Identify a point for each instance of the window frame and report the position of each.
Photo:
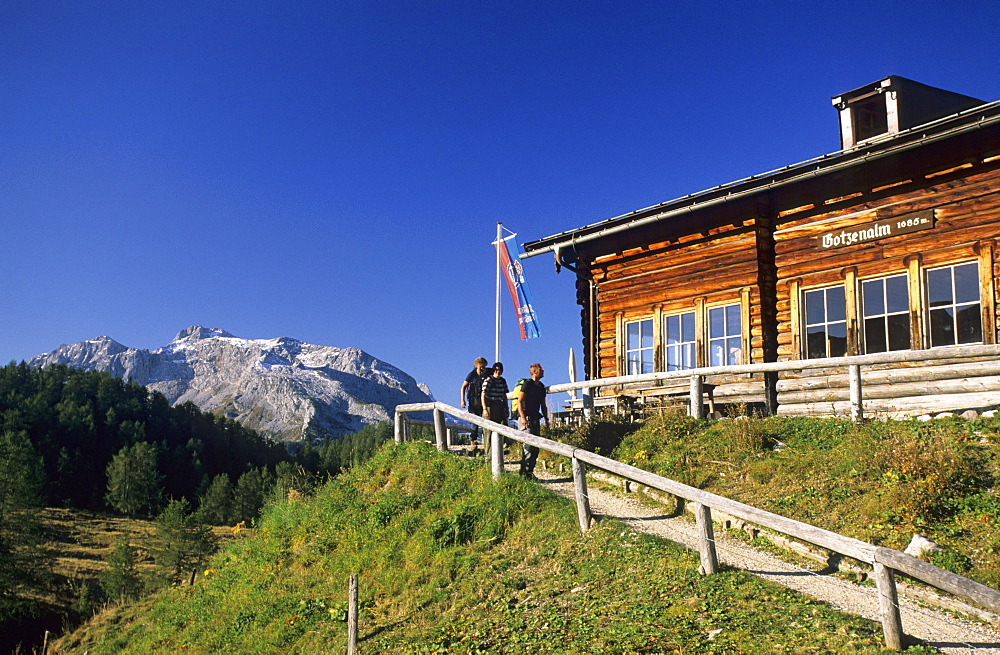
(641, 349)
(728, 338)
(688, 349)
(885, 315)
(955, 305)
(826, 322)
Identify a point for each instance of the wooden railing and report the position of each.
(884, 561)
(853, 364)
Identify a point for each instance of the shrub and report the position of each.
(951, 560)
(745, 435)
(924, 466)
(600, 436)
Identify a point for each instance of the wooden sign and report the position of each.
(868, 232)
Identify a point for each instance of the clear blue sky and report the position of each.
(334, 171)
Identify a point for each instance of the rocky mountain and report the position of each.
(281, 387)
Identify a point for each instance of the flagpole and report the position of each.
(496, 349)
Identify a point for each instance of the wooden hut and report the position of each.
(887, 244)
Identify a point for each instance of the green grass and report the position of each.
(452, 562)
(880, 482)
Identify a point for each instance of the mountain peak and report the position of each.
(282, 387)
(199, 332)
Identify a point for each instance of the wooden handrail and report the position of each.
(883, 560)
(853, 364)
(949, 352)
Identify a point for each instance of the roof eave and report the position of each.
(887, 145)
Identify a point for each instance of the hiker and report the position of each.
(532, 408)
(494, 398)
(472, 390)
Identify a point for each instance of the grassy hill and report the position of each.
(452, 562)
(881, 482)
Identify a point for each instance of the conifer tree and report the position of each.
(20, 481)
(20, 477)
(134, 482)
(181, 544)
(252, 490)
(121, 581)
(216, 507)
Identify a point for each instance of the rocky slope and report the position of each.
(281, 387)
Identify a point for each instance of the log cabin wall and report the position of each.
(695, 276)
(961, 205)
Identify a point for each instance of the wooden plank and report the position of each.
(859, 550)
(981, 385)
(681, 263)
(927, 372)
(896, 407)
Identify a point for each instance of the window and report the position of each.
(954, 314)
(725, 336)
(886, 313)
(826, 322)
(679, 340)
(869, 118)
(639, 347)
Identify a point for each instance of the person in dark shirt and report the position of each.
(495, 399)
(472, 391)
(473, 386)
(532, 409)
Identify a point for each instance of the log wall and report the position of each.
(691, 273)
(966, 205)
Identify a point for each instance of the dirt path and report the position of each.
(937, 628)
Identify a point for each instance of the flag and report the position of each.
(519, 293)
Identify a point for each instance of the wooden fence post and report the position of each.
(695, 393)
(496, 453)
(888, 605)
(439, 429)
(582, 499)
(400, 426)
(857, 407)
(352, 614)
(706, 540)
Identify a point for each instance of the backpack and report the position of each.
(517, 392)
(475, 390)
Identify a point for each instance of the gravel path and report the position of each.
(941, 630)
